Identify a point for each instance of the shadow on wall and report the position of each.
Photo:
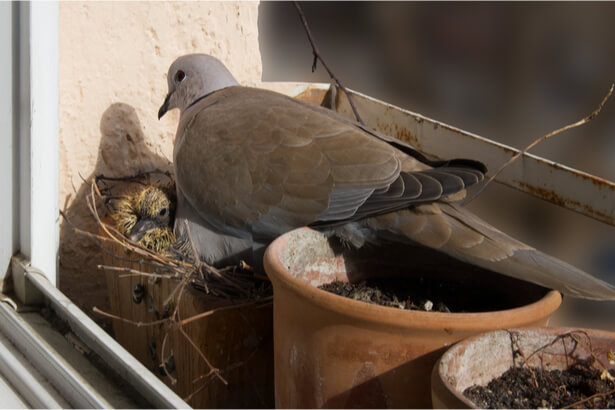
(122, 152)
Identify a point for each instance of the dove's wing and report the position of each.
(253, 160)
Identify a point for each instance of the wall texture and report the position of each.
(113, 62)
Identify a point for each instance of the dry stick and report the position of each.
(178, 323)
(593, 396)
(195, 254)
(133, 177)
(200, 264)
(207, 383)
(220, 309)
(544, 137)
(318, 57)
(164, 362)
(589, 347)
(97, 239)
(213, 370)
(129, 272)
(227, 370)
(132, 322)
(552, 342)
(526, 363)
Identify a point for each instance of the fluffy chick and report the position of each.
(147, 215)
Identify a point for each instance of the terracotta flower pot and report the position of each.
(481, 358)
(331, 351)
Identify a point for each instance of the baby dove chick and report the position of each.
(147, 217)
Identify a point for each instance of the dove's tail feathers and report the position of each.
(535, 266)
(458, 233)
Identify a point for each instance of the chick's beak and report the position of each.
(165, 106)
(141, 228)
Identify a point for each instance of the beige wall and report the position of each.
(113, 62)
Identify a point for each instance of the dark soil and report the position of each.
(421, 294)
(556, 389)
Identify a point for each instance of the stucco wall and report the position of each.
(113, 62)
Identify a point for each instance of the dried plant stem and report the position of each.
(163, 362)
(134, 272)
(220, 309)
(593, 396)
(318, 57)
(514, 338)
(213, 370)
(132, 322)
(515, 157)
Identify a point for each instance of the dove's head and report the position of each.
(193, 76)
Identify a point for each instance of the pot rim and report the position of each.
(389, 316)
(462, 344)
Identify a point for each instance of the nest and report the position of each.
(226, 289)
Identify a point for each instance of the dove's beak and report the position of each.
(165, 106)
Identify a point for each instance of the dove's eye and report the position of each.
(163, 212)
(179, 76)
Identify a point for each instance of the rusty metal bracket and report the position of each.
(567, 187)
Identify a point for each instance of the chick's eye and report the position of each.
(163, 212)
(179, 76)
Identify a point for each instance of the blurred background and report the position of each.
(511, 72)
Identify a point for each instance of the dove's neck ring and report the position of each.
(201, 98)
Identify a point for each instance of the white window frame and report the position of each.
(29, 121)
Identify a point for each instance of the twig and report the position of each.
(544, 137)
(220, 309)
(213, 370)
(163, 362)
(318, 57)
(518, 350)
(97, 239)
(129, 272)
(207, 383)
(101, 177)
(593, 396)
(132, 322)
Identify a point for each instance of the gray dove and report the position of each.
(251, 164)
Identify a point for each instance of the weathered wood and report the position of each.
(238, 341)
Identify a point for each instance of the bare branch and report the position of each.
(515, 157)
(318, 57)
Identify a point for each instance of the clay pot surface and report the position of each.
(481, 358)
(334, 352)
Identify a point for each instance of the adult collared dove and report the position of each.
(251, 164)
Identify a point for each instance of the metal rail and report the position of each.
(570, 188)
(129, 368)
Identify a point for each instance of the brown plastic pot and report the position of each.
(481, 358)
(331, 351)
(237, 341)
